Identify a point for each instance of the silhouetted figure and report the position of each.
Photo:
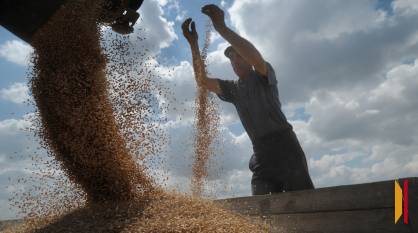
(278, 163)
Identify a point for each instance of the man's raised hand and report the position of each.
(189, 31)
(216, 14)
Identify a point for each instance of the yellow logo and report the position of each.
(401, 201)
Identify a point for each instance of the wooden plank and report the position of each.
(360, 221)
(344, 209)
(341, 198)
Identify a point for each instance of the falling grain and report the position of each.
(98, 133)
(207, 126)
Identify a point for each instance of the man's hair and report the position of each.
(228, 51)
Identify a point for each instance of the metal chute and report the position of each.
(25, 17)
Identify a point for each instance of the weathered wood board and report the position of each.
(360, 208)
(356, 208)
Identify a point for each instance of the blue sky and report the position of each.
(346, 76)
(10, 73)
(177, 51)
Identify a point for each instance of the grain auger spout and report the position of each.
(23, 18)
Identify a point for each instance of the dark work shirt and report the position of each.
(256, 99)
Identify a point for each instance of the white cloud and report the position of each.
(158, 31)
(344, 66)
(223, 3)
(152, 32)
(17, 93)
(231, 158)
(406, 6)
(182, 85)
(374, 128)
(340, 61)
(329, 45)
(16, 51)
(16, 149)
(228, 169)
(385, 112)
(412, 167)
(162, 2)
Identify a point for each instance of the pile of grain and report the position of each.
(166, 213)
(207, 125)
(97, 153)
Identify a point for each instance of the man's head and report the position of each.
(239, 64)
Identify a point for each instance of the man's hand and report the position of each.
(189, 31)
(216, 14)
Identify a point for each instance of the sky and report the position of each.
(347, 77)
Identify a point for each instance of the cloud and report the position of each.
(352, 69)
(17, 93)
(154, 26)
(228, 169)
(173, 7)
(182, 85)
(152, 32)
(223, 3)
(230, 158)
(16, 148)
(406, 6)
(374, 129)
(16, 51)
(331, 45)
(384, 113)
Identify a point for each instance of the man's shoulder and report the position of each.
(228, 90)
(269, 67)
(270, 77)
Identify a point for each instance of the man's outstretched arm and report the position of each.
(198, 65)
(244, 48)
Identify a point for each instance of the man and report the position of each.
(278, 163)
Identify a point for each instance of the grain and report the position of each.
(98, 137)
(207, 126)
